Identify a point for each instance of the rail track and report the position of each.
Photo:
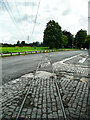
(40, 97)
(34, 80)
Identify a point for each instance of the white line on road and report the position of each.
(62, 62)
(82, 60)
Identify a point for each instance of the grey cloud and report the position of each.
(38, 23)
(11, 4)
(25, 18)
(28, 19)
(83, 21)
(30, 4)
(27, 3)
(66, 12)
(2, 6)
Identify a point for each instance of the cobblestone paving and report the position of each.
(42, 100)
(11, 92)
(73, 83)
(75, 96)
(73, 69)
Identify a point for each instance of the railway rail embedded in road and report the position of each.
(29, 87)
(60, 93)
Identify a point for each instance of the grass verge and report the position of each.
(15, 51)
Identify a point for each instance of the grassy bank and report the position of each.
(15, 51)
(21, 49)
(25, 49)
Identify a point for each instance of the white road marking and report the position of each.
(62, 61)
(82, 60)
(15, 81)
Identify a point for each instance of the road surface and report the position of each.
(38, 96)
(16, 66)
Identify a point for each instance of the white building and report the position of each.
(89, 18)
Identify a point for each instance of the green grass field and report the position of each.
(21, 49)
(24, 49)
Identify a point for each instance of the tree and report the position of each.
(64, 40)
(18, 43)
(52, 35)
(70, 38)
(36, 44)
(23, 43)
(87, 41)
(80, 38)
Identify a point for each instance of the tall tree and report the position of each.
(80, 38)
(18, 43)
(87, 41)
(64, 40)
(52, 35)
(23, 43)
(70, 38)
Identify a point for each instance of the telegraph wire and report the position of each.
(19, 15)
(32, 9)
(13, 17)
(35, 18)
(30, 27)
(9, 12)
(8, 9)
(27, 33)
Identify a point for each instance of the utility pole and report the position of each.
(89, 18)
(88, 108)
(89, 22)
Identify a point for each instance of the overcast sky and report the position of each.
(17, 18)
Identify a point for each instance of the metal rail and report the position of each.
(58, 90)
(27, 93)
(59, 94)
(61, 101)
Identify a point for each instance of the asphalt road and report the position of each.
(16, 66)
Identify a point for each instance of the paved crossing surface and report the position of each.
(43, 100)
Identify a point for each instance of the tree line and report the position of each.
(21, 44)
(54, 37)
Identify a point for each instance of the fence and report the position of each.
(27, 52)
